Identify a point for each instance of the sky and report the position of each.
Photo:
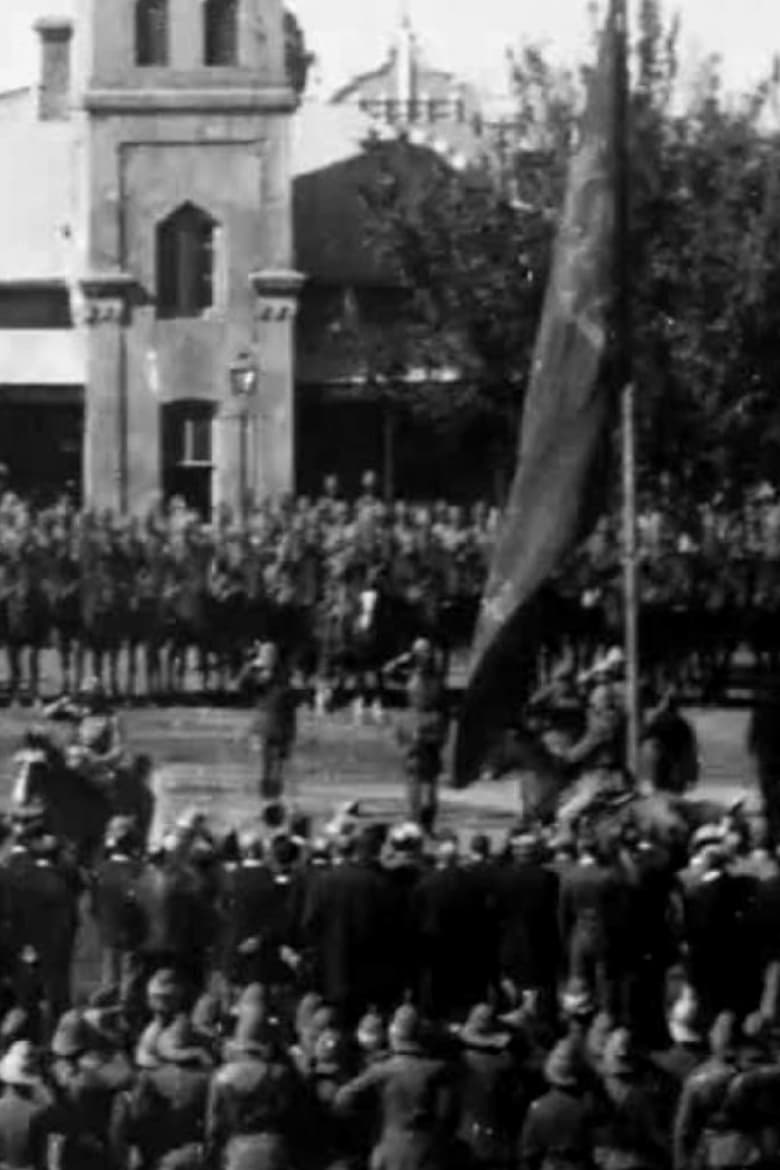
(469, 37)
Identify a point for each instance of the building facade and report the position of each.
(162, 303)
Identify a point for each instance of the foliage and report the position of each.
(472, 249)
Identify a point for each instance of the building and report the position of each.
(344, 423)
(147, 295)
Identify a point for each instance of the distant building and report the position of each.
(343, 423)
(146, 245)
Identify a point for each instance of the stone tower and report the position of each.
(185, 250)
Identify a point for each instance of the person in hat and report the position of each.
(490, 1090)
(423, 731)
(168, 1104)
(349, 928)
(448, 907)
(414, 1092)
(705, 1090)
(673, 760)
(253, 1110)
(526, 895)
(630, 1133)
(114, 907)
(560, 1126)
(97, 747)
(687, 1052)
(266, 679)
(29, 1118)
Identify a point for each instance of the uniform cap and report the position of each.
(619, 1057)
(20, 1065)
(254, 1033)
(577, 999)
(15, 1026)
(371, 1032)
(179, 1043)
(164, 985)
(483, 1030)
(685, 1018)
(564, 1066)
(119, 830)
(71, 1036)
(105, 1025)
(146, 1055)
(405, 1028)
(331, 1052)
(207, 1015)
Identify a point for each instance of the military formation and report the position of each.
(369, 995)
(344, 585)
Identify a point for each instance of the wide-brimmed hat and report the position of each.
(254, 1034)
(371, 1032)
(71, 1036)
(179, 1043)
(119, 831)
(331, 1053)
(577, 999)
(105, 1025)
(20, 1065)
(483, 1030)
(405, 1029)
(164, 986)
(684, 1021)
(619, 1057)
(564, 1066)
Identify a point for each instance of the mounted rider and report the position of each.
(97, 747)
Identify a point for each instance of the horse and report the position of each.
(104, 623)
(26, 628)
(75, 810)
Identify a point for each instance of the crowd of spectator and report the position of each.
(370, 997)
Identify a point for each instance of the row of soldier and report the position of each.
(247, 987)
(136, 601)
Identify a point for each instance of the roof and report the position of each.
(324, 134)
(37, 207)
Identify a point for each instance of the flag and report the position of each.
(569, 408)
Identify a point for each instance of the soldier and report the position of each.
(267, 680)
(167, 1107)
(560, 1127)
(114, 907)
(251, 1113)
(424, 730)
(28, 1117)
(705, 1091)
(414, 1092)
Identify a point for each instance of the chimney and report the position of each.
(56, 33)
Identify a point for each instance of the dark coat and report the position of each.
(168, 1110)
(251, 1096)
(415, 1098)
(560, 1126)
(348, 924)
(595, 898)
(27, 1121)
(87, 1095)
(526, 911)
(450, 921)
(178, 919)
(702, 1099)
(114, 906)
(489, 1103)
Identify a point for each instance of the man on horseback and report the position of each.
(97, 748)
(266, 678)
(424, 731)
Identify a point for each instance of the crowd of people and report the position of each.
(370, 996)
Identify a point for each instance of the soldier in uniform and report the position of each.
(267, 679)
(114, 906)
(424, 730)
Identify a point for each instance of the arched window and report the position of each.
(220, 31)
(151, 32)
(185, 263)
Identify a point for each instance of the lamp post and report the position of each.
(243, 385)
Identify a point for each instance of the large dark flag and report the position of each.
(569, 408)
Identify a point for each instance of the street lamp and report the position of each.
(244, 376)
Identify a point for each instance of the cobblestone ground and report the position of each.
(205, 758)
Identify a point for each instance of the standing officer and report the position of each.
(424, 732)
(267, 680)
(114, 906)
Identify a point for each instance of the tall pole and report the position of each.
(242, 462)
(625, 385)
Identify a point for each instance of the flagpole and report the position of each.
(625, 386)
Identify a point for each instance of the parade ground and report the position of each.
(205, 757)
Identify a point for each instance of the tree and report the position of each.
(471, 249)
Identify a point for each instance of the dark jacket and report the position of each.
(559, 1132)
(114, 906)
(27, 1121)
(348, 924)
(489, 1102)
(526, 910)
(415, 1098)
(168, 1110)
(249, 1097)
